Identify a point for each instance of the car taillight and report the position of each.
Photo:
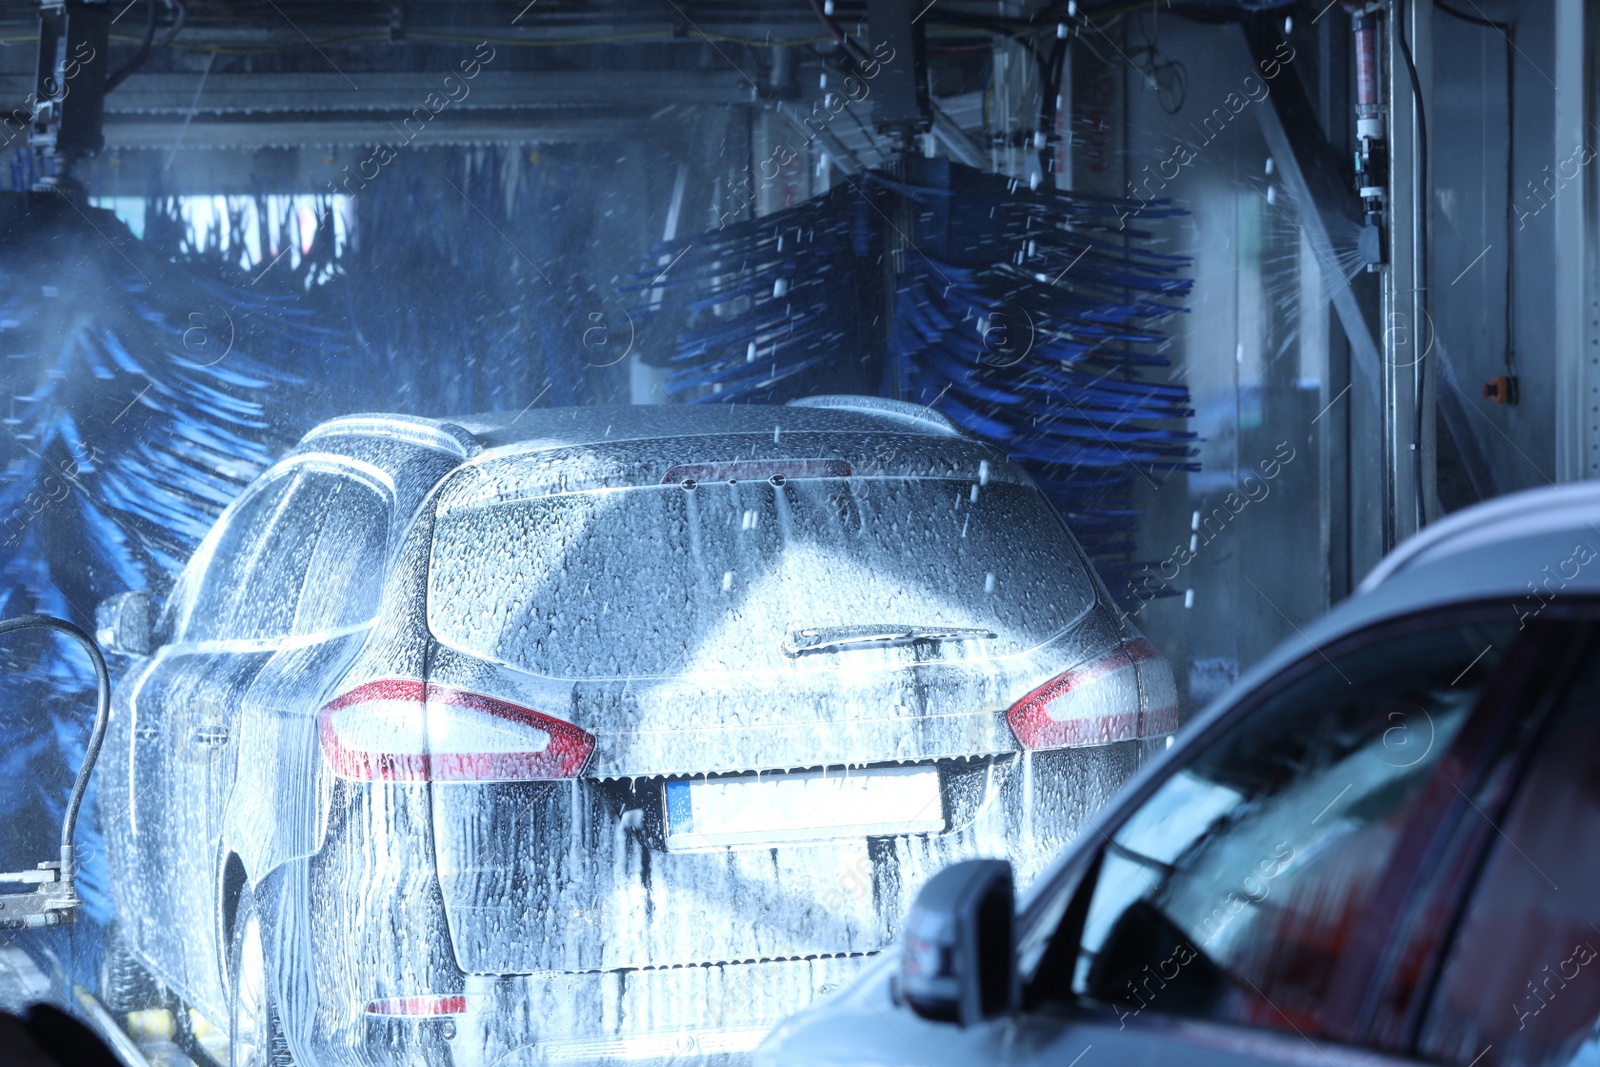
(402, 731)
(1099, 702)
(423, 1007)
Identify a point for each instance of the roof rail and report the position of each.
(1552, 507)
(428, 433)
(903, 410)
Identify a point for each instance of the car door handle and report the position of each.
(146, 732)
(210, 735)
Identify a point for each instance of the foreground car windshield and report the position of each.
(683, 578)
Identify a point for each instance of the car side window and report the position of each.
(303, 555)
(1230, 892)
(341, 534)
(1520, 983)
(203, 601)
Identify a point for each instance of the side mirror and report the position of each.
(959, 961)
(122, 623)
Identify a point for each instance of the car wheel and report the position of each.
(125, 985)
(254, 1031)
(200, 1046)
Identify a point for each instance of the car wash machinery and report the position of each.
(54, 899)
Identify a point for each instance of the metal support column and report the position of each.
(1408, 380)
(1577, 354)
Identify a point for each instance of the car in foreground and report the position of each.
(599, 734)
(1376, 848)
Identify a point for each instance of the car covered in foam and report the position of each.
(599, 734)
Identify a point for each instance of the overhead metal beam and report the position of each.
(329, 26)
(447, 91)
(838, 151)
(568, 126)
(961, 147)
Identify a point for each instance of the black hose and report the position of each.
(120, 75)
(1050, 70)
(102, 712)
(147, 48)
(1421, 374)
(827, 23)
(180, 16)
(1503, 27)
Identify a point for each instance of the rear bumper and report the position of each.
(397, 941)
(579, 872)
(700, 1015)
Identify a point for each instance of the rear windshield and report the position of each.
(701, 576)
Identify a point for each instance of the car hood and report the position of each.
(852, 1026)
(859, 1025)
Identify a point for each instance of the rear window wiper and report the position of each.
(881, 635)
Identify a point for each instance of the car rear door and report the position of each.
(288, 588)
(164, 715)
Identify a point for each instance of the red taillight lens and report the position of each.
(400, 731)
(420, 1007)
(1100, 701)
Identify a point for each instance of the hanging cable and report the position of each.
(1503, 27)
(149, 47)
(97, 733)
(1168, 77)
(136, 61)
(827, 23)
(1421, 253)
(180, 16)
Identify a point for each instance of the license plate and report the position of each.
(804, 806)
